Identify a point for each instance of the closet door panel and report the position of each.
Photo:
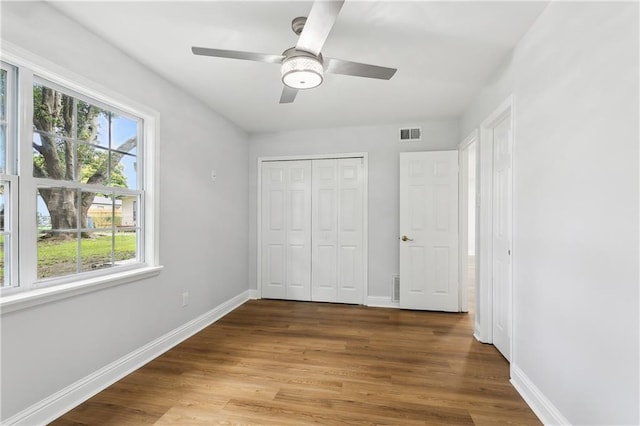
(298, 230)
(325, 232)
(350, 230)
(273, 219)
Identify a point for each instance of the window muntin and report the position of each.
(87, 168)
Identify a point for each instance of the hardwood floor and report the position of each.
(293, 363)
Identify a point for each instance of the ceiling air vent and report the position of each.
(411, 134)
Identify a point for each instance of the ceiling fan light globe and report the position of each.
(302, 72)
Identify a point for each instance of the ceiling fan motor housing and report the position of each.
(298, 24)
(301, 70)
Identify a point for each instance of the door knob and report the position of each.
(405, 238)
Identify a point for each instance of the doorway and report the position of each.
(495, 287)
(468, 228)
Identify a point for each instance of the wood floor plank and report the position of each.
(298, 363)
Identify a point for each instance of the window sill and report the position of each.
(32, 298)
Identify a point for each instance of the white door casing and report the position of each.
(286, 230)
(502, 195)
(495, 254)
(429, 221)
(337, 236)
(467, 209)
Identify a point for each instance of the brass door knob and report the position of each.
(405, 238)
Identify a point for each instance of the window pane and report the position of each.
(124, 170)
(4, 239)
(3, 190)
(4, 236)
(57, 254)
(53, 111)
(61, 206)
(43, 216)
(54, 158)
(3, 120)
(129, 211)
(93, 162)
(124, 133)
(3, 94)
(93, 124)
(100, 211)
(125, 248)
(3, 148)
(96, 249)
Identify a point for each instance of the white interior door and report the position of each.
(502, 194)
(337, 237)
(429, 230)
(286, 230)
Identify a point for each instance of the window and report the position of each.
(87, 169)
(77, 168)
(8, 179)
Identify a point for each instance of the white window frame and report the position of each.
(53, 183)
(30, 291)
(12, 270)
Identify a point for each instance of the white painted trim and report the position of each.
(57, 404)
(470, 139)
(259, 232)
(39, 296)
(484, 257)
(539, 403)
(381, 302)
(313, 157)
(463, 220)
(365, 227)
(365, 211)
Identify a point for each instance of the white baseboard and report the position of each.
(253, 294)
(382, 302)
(57, 404)
(541, 406)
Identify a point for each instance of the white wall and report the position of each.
(575, 80)
(202, 224)
(381, 142)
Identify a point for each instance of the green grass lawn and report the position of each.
(58, 257)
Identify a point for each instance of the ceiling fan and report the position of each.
(303, 65)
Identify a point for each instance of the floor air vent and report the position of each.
(396, 287)
(411, 134)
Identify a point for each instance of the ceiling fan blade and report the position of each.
(236, 54)
(319, 22)
(339, 66)
(288, 95)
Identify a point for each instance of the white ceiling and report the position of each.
(444, 53)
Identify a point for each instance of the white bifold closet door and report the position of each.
(286, 230)
(337, 231)
(312, 230)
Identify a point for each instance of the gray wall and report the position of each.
(203, 225)
(383, 147)
(575, 247)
